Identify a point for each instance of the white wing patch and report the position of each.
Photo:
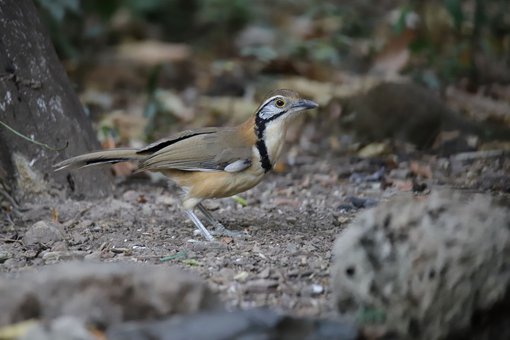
(238, 165)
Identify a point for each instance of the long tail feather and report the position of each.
(99, 157)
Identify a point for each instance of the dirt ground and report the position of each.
(291, 221)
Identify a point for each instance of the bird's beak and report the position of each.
(305, 104)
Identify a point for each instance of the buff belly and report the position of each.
(202, 185)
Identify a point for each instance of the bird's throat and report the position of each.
(270, 138)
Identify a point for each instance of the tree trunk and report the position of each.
(37, 99)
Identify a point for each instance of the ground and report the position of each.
(291, 220)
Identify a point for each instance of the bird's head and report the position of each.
(271, 123)
(281, 104)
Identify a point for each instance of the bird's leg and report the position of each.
(209, 217)
(220, 228)
(194, 218)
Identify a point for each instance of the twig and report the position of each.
(240, 200)
(12, 240)
(467, 156)
(74, 220)
(44, 145)
(8, 197)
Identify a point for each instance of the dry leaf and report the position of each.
(373, 150)
(478, 106)
(280, 167)
(395, 55)
(108, 143)
(227, 240)
(420, 169)
(152, 53)
(403, 185)
(444, 137)
(123, 169)
(17, 330)
(54, 214)
(170, 102)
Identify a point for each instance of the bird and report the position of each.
(213, 162)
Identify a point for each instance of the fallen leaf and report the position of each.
(403, 185)
(373, 150)
(444, 137)
(478, 106)
(191, 262)
(241, 276)
(395, 55)
(17, 330)
(227, 240)
(54, 214)
(278, 201)
(170, 102)
(420, 169)
(123, 169)
(280, 167)
(151, 52)
(240, 200)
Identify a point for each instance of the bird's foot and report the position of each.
(220, 230)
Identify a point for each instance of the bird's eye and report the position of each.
(280, 103)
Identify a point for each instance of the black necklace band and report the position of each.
(264, 157)
(260, 129)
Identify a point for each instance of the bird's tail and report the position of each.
(100, 157)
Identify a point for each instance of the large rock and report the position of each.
(239, 324)
(102, 294)
(43, 233)
(425, 269)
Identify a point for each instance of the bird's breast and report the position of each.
(274, 138)
(216, 184)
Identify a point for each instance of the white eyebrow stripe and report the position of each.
(268, 100)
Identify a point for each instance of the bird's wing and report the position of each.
(162, 143)
(209, 149)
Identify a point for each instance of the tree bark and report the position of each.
(37, 99)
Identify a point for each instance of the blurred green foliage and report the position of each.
(451, 34)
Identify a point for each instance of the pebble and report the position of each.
(241, 277)
(131, 196)
(11, 263)
(345, 207)
(43, 232)
(166, 200)
(359, 202)
(400, 173)
(313, 290)
(147, 209)
(94, 256)
(317, 289)
(260, 285)
(264, 273)
(56, 256)
(64, 327)
(4, 256)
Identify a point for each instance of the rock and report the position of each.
(29, 180)
(261, 285)
(255, 36)
(131, 196)
(362, 202)
(425, 269)
(62, 328)
(102, 294)
(4, 256)
(239, 324)
(43, 232)
(11, 263)
(64, 255)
